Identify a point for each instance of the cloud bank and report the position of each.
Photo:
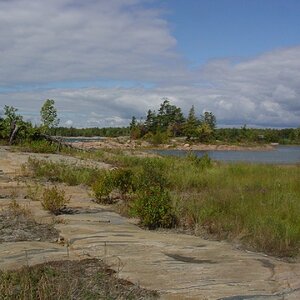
(46, 43)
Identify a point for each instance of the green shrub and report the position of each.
(39, 146)
(54, 199)
(153, 207)
(62, 172)
(152, 173)
(102, 187)
(123, 179)
(202, 162)
(157, 138)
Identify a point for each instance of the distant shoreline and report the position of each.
(126, 144)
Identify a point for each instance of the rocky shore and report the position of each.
(178, 144)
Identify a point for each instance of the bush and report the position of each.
(102, 187)
(123, 179)
(62, 172)
(39, 146)
(153, 207)
(202, 162)
(54, 199)
(153, 173)
(156, 139)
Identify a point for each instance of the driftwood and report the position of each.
(59, 142)
(14, 129)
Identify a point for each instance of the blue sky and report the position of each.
(233, 28)
(104, 61)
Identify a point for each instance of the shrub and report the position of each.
(54, 199)
(39, 146)
(102, 187)
(153, 207)
(123, 179)
(202, 162)
(153, 173)
(62, 172)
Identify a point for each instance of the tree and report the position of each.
(209, 119)
(135, 129)
(49, 115)
(12, 123)
(169, 118)
(191, 124)
(204, 132)
(151, 122)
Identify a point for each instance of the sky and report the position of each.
(105, 61)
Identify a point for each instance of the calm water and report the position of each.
(81, 139)
(280, 155)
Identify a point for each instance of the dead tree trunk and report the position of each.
(13, 133)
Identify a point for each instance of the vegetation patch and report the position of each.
(54, 199)
(85, 279)
(17, 224)
(62, 172)
(255, 205)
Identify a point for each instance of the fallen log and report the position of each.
(60, 143)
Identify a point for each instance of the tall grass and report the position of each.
(257, 205)
(62, 172)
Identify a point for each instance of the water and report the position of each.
(81, 139)
(280, 155)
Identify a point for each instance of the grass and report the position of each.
(255, 205)
(62, 172)
(85, 279)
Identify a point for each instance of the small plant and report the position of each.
(15, 209)
(33, 192)
(123, 179)
(202, 162)
(103, 187)
(153, 207)
(54, 199)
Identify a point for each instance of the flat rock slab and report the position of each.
(18, 254)
(178, 266)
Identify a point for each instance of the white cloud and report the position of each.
(44, 42)
(50, 41)
(69, 123)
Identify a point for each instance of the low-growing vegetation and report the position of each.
(62, 172)
(17, 224)
(85, 279)
(54, 199)
(255, 205)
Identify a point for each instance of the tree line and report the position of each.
(170, 122)
(14, 128)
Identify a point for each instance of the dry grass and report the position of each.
(85, 279)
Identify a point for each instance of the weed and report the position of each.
(62, 172)
(54, 199)
(33, 192)
(102, 188)
(15, 209)
(85, 279)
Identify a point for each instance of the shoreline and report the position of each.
(127, 144)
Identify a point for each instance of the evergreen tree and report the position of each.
(191, 124)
